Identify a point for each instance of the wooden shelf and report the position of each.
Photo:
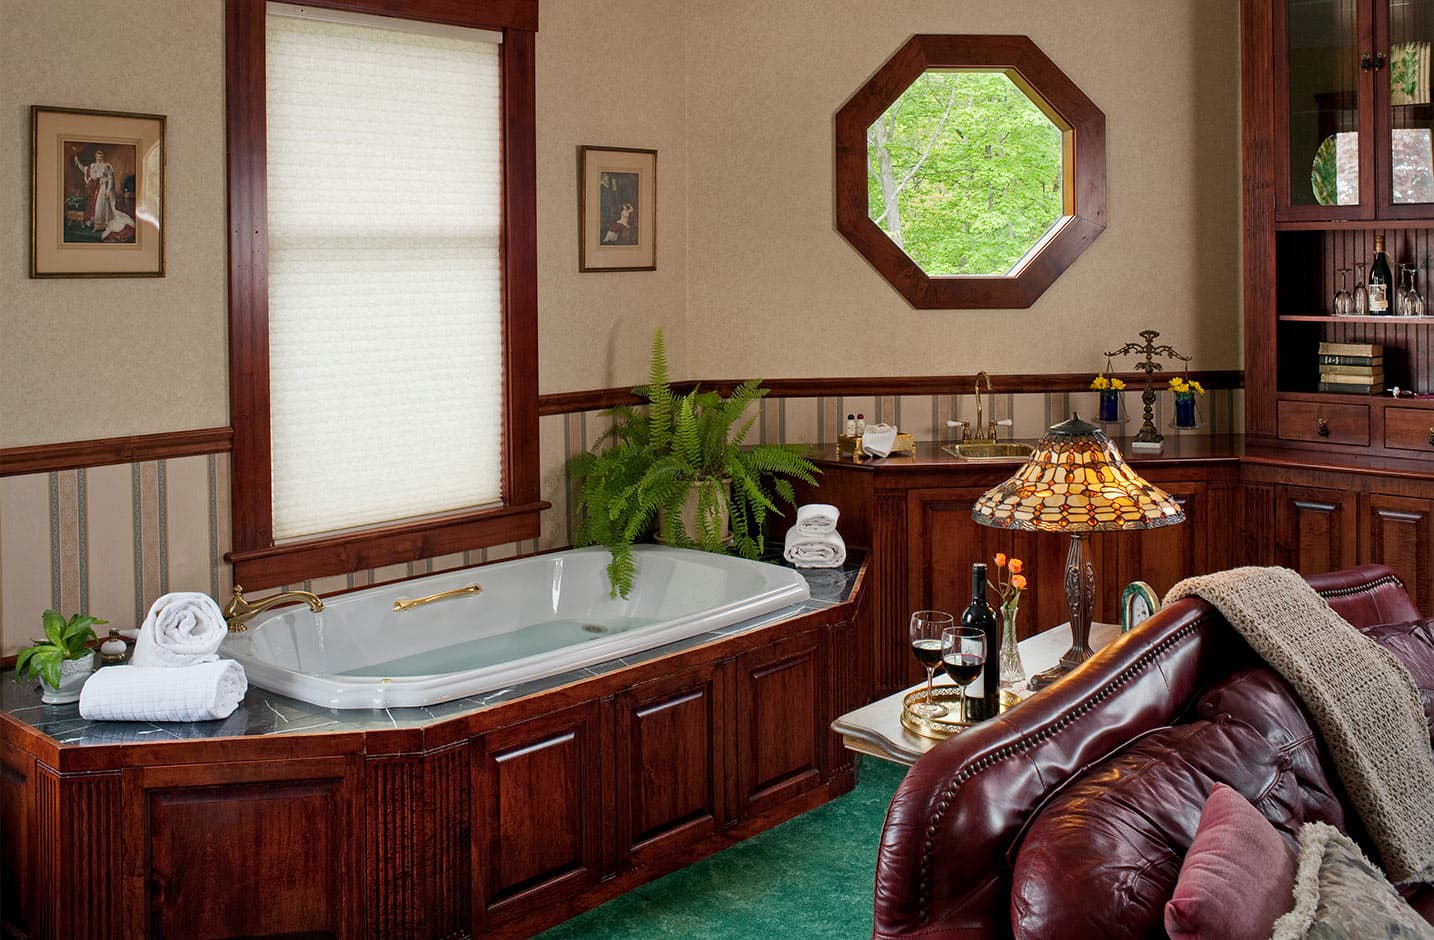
(1392, 321)
(1366, 225)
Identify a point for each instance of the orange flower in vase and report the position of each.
(1010, 582)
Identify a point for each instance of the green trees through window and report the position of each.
(965, 172)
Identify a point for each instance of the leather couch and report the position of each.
(1070, 814)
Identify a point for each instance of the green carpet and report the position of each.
(809, 877)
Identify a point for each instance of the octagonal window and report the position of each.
(965, 172)
(970, 171)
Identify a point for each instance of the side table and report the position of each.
(876, 729)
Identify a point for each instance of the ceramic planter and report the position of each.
(73, 675)
(688, 514)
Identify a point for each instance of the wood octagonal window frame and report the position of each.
(1083, 166)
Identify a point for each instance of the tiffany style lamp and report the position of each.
(1076, 482)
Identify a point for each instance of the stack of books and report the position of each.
(1351, 368)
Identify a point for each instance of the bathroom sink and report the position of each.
(998, 451)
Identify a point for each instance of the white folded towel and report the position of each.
(817, 518)
(147, 693)
(879, 439)
(824, 550)
(182, 629)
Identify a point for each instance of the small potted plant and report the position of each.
(1185, 391)
(678, 466)
(1110, 390)
(63, 660)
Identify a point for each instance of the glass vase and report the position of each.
(1109, 404)
(1012, 672)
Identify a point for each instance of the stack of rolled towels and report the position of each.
(813, 542)
(174, 673)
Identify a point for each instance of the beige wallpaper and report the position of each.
(773, 290)
(89, 358)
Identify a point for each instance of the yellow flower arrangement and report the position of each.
(1100, 383)
(1185, 388)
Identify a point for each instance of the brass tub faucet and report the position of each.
(239, 609)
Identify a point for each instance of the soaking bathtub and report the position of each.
(534, 617)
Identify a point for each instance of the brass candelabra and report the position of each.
(1148, 433)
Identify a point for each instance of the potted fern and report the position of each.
(63, 660)
(676, 466)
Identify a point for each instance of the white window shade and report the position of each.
(385, 278)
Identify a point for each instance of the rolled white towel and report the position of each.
(826, 550)
(182, 629)
(879, 439)
(816, 518)
(202, 692)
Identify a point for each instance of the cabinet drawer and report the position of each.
(1409, 429)
(1341, 424)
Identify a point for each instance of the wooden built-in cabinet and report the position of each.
(1322, 92)
(499, 823)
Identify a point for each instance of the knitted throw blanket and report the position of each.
(1362, 699)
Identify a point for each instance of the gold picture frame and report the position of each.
(617, 209)
(96, 193)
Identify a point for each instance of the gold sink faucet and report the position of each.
(239, 609)
(981, 434)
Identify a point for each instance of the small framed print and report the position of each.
(617, 209)
(96, 193)
(1137, 602)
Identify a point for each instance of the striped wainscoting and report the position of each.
(107, 540)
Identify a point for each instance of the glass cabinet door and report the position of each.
(1321, 96)
(1407, 152)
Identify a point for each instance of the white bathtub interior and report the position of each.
(535, 617)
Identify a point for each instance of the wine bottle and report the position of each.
(979, 614)
(1381, 281)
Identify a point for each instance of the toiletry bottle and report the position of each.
(1381, 281)
(860, 424)
(980, 615)
(851, 425)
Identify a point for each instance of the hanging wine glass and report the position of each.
(1401, 303)
(1416, 303)
(1361, 293)
(1343, 302)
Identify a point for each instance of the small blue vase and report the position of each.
(1185, 412)
(1109, 404)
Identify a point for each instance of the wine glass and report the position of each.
(963, 653)
(1401, 304)
(1361, 293)
(1343, 303)
(926, 628)
(1416, 303)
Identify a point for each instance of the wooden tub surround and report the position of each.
(495, 816)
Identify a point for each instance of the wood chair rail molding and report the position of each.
(1084, 169)
(76, 455)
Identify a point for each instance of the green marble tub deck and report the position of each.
(809, 877)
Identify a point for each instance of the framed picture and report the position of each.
(96, 193)
(617, 209)
(1137, 602)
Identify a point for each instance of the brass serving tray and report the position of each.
(946, 725)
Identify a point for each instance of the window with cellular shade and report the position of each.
(384, 270)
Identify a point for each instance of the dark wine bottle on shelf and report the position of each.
(979, 614)
(1381, 281)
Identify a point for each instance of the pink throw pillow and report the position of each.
(1237, 878)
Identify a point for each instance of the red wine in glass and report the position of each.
(963, 653)
(926, 628)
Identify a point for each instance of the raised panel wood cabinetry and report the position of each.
(1399, 532)
(499, 823)
(1320, 78)
(1315, 529)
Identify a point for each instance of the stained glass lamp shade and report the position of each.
(1076, 482)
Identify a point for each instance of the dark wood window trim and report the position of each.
(258, 561)
(1085, 170)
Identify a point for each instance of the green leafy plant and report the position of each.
(658, 453)
(64, 639)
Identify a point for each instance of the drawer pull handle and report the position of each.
(1322, 427)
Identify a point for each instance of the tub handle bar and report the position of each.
(405, 604)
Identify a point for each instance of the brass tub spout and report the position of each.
(239, 609)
